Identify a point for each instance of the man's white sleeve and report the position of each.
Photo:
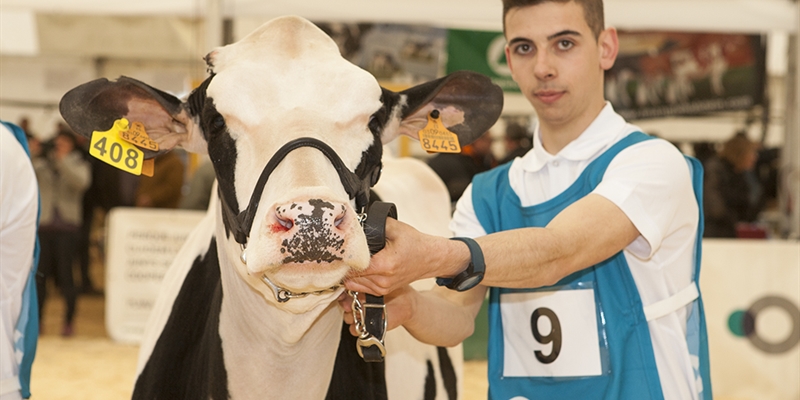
(465, 222)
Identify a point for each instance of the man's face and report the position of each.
(556, 60)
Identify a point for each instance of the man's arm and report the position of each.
(585, 233)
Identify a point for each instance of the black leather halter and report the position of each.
(373, 316)
(355, 186)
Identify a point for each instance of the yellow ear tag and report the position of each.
(138, 136)
(435, 138)
(110, 148)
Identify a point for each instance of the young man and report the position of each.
(590, 240)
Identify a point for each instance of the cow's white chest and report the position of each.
(284, 355)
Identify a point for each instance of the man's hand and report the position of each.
(399, 306)
(409, 256)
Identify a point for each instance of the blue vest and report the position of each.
(624, 362)
(27, 328)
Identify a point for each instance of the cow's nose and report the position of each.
(314, 214)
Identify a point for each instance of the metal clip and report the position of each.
(365, 338)
(369, 342)
(243, 254)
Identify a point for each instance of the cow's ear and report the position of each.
(468, 104)
(95, 105)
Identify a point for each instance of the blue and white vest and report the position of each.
(585, 337)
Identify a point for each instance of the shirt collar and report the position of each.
(599, 135)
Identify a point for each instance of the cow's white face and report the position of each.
(285, 81)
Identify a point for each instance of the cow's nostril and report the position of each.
(286, 223)
(339, 218)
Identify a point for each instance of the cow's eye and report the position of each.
(218, 122)
(374, 124)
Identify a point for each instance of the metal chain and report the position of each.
(365, 338)
(358, 315)
(284, 295)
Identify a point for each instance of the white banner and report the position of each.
(141, 244)
(751, 290)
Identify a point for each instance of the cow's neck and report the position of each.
(278, 351)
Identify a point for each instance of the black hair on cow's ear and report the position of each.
(472, 96)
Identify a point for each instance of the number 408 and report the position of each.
(115, 153)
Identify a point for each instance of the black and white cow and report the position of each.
(218, 330)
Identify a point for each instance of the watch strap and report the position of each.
(476, 264)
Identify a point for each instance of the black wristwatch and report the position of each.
(471, 276)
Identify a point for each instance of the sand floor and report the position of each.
(90, 366)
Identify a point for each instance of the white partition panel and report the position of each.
(141, 244)
(751, 290)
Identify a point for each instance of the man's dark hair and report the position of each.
(592, 11)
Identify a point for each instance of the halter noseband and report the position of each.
(355, 186)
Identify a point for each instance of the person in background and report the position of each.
(19, 207)
(588, 245)
(103, 194)
(457, 169)
(518, 142)
(25, 125)
(63, 176)
(163, 189)
(731, 191)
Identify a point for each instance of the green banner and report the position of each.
(482, 52)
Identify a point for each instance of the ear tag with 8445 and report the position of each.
(436, 138)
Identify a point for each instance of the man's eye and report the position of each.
(565, 45)
(523, 49)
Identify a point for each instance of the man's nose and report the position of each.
(543, 67)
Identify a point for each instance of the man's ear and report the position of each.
(608, 44)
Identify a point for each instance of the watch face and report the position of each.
(470, 282)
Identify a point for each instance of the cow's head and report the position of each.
(282, 82)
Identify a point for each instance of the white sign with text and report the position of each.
(141, 244)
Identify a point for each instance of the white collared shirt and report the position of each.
(650, 182)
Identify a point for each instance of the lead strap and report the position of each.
(370, 316)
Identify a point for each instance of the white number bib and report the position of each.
(550, 334)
